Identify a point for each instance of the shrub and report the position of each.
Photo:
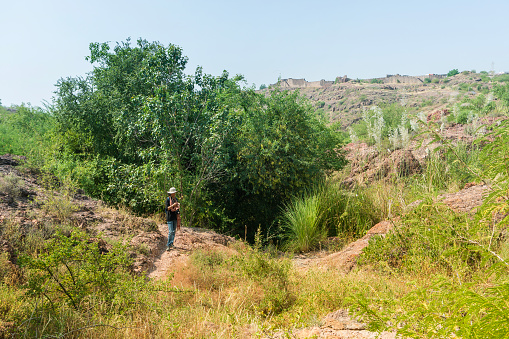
(501, 78)
(265, 278)
(271, 274)
(10, 186)
(27, 131)
(72, 269)
(453, 72)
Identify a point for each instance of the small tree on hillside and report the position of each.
(453, 72)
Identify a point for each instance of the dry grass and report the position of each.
(10, 186)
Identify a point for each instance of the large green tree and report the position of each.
(142, 125)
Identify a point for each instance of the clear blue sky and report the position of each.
(42, 41)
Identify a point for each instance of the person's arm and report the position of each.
(172, 206)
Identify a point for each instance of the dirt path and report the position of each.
(186, 241)
(335, 325)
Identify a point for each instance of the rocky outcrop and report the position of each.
(368, 164)
(337, 325)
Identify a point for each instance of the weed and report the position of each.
(10, 186)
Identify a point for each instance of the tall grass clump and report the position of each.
(11, 186)
(302, 219)
(327, 210)
(449, 168)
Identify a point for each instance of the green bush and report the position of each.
(269, 275)
(127, 139)
(453, 72)
(26, 131)
(73, 269)
(501, 78)
(423, 237)
(11, 185)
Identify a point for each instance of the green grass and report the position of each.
(328, 210)
(25, 131)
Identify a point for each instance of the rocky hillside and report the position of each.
(344, 102)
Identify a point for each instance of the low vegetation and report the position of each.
(267, 169)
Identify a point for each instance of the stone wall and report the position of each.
(408, 79)
(301, 83)
(389, 79)
(403, 79)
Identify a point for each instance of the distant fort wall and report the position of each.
(389, 79)
(408, 79)
(301, 83)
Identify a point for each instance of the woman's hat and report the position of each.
(172, 190)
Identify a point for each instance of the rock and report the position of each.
(340, 320)
(466, 200)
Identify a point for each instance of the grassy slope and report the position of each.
(237, 296)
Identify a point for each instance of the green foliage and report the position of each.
(430, 237)
(269, 276)
(72, 269)
(328, 210)
(281, 148)
(303, 221)
(495, 160)
(376, 81)
(137, 125)
(263, 86)
(502, 92)
(468, 295)
(25, 130)
(471, 108)
(465, 86)
(427, 80)
(10, 186)
(381, 125)
(425, 103)
(453, 72)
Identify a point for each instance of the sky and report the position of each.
(42, 41)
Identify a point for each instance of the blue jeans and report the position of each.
(171, 232)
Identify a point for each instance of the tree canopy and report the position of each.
(137, 124)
